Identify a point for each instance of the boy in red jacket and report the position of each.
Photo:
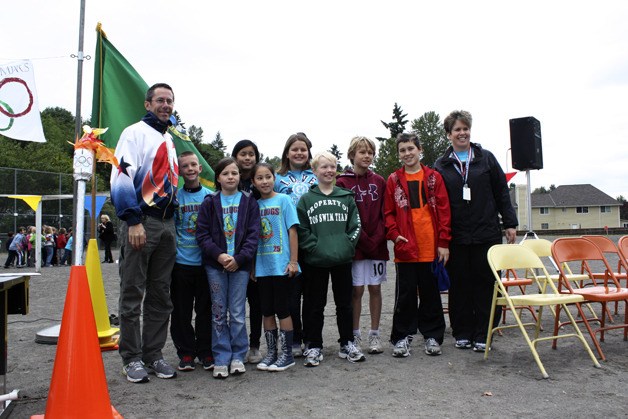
(371, 253)
(418, 220)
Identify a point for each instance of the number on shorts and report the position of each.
(378, 269)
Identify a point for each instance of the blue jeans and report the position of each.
(228, 294)
(49, 250)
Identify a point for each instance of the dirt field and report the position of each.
(457, 384)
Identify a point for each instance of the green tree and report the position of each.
(274, 161)
(432, 135)
(387, 160)
(196, 135)
(219, 143)
(335, 151)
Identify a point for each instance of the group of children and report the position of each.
(276, 238)
(20, 247)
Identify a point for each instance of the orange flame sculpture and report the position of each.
(90, 141)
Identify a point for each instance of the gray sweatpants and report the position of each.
(145, 275)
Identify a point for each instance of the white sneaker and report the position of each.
(253, 356)
(297, 351)
(402, 348)
(313, 357)
(221, 371)
(375, 344)
(237, 367)
(351, 352)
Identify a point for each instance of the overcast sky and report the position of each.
(263, 70)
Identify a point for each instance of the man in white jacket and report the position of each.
(143, 191)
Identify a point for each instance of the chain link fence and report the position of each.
(15, 213)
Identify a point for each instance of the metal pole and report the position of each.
(77, 134)
(529, 202)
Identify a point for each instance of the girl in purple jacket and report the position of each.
(227, 232)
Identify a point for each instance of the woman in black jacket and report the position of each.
(107, 236)
(478, 195)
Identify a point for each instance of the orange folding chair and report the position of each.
(609, 249)
(512, 258)
(583, 251)
(543, 249)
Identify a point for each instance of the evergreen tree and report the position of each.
(338, 155)
(387, 160)
(432, 135)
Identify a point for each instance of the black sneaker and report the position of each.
(186, 363)
(208, 363)
(480, 347)
(463, 344)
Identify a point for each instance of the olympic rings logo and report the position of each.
(6, 109)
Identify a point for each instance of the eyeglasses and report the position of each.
(161, 101)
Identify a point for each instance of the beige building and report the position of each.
(566, 207)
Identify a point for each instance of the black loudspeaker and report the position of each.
(525, 143)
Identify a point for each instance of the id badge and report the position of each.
(466, 193)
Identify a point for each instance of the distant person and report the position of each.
(49, 245)
(67, 255)
(294, 178)
(11, 251)
(371, 253)
(106, 235)
(329, 228)
(62, 240)
(246, 154)
(276, 263)
(189, 289)
(418, 221)
(227, 232)
(478, 194)
(143, 191)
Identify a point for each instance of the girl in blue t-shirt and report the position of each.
(295, 178)
(227, 231)
(275, 264)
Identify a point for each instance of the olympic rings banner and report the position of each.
(19, 108)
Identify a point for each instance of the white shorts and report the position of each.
(368, 272)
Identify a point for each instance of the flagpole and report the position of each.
(79, 185)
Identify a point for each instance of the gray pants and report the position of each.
(146, 271)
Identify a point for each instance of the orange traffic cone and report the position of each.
(78, 388)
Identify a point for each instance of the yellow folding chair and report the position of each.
(513, 259)
(543, 249)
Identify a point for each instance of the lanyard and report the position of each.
(463, 168)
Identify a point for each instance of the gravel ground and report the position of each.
(456, 384)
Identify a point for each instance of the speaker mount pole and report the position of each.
(529, 207)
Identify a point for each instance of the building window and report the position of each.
(582, 210)
(544, 226)
(605, 209)
(544, 210)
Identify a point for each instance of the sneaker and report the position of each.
(351, 352)
(282, 363)
(463, 344)
(297, 351)
(432, 347)
(480, 347)
(402, 348)
(269, 359)
(237, 367)
(186, 363)
(135, 372)
(253, 356)
(375, 345)
(221, 371)
(313, 357)
(208, 363)
(161, 369)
